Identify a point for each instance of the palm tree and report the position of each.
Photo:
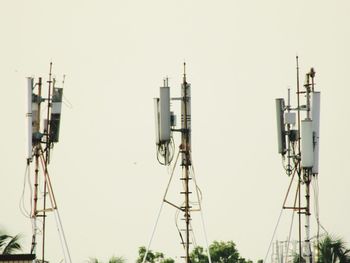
(9, 244)
(333, 250)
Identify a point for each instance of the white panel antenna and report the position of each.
(307, 148)
(164, 120)
(164, 114)
(315, 111)
(156, 117)
(29, 118)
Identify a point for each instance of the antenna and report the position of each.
(29, 117)
(281, 133)
(163, 123)
(184, 77)
(302, 149)
(39, 143)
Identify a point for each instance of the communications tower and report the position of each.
(298, 130)
(43, 126)
(165, 143)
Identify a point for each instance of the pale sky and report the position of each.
(240, 57)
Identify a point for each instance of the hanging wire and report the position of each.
(22, 206)
(62, 236)
(273, 235)
(153, 232)
(178, 228)
(289, 235)
(160, 209)
(194, 241)
(199, 197)
(315, 188)
(164, 150)
(171, 176)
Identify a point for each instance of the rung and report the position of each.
(185, 192)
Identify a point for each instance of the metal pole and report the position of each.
(298, 165)
(47, 156)
(307, 179)
(35, 198)
(185, 148)
(307, 217)
(36, 175)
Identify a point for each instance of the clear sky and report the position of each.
(240, 56)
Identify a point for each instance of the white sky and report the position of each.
(240, 56)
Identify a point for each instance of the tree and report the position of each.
(9, 244)
(113, 259)
(220, 252)
(152, 257)
(224, 252)
(333, 250)
(330, 250)
(198, 255)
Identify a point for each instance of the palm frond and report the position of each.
(93, 260)
(3, 240)
(13, 245)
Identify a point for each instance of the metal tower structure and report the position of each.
(298, 143)
(165, 126)
(42, 134)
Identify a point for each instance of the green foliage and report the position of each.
(9, 244)
(220, 252)
(113, 259)
(298, 259)
(330, 250)
(198, 255)
(116, 260)
(333, 250)
(93, 260)
(224, 252)
(152, 257)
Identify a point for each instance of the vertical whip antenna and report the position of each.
(184, 78)
(298, 164)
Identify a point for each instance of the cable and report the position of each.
(22, 207)
(154, 230)
(177, 226)
(290, 233)
(200, 196)
(62, 237)
(171, 176)
(194, 241)
(164, 150)
(273, 235)
(315, 187)
(160, 209)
